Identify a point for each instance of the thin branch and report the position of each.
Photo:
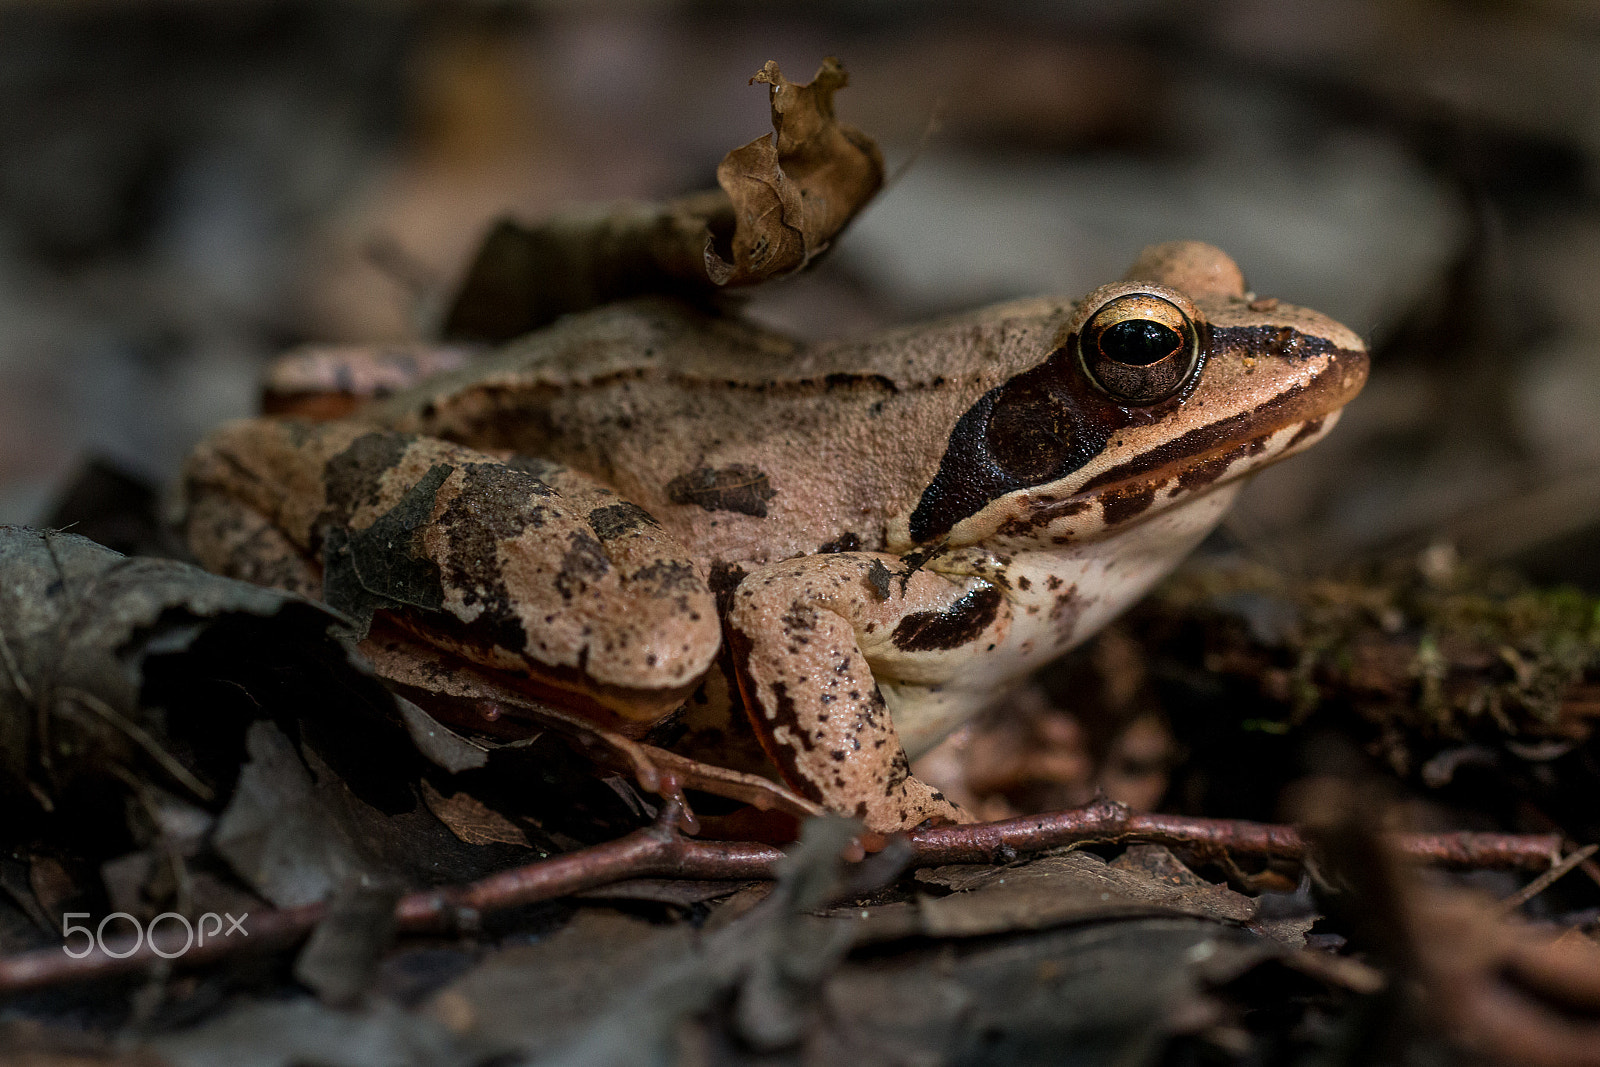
(660, 851)
(1105, 820)
(140, 737)
(1546, 880)
(657, 851)
(13, 671)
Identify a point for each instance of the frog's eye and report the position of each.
(1139, 348)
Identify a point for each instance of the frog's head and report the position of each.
(1154, 391)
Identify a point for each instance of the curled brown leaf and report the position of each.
(794, 190)
(784, 198)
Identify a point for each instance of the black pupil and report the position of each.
(1139, 342)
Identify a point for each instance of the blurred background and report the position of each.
(187, 188)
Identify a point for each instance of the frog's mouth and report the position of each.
(1132, 498)
(1203, 459)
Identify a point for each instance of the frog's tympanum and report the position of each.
(677, 523)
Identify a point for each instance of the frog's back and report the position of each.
(747, 445)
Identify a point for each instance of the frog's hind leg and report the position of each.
(804, 635)
(231, 538)
(526, 567)
(332, 381)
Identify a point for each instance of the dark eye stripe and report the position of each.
(1031, 430)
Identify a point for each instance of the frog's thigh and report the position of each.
(229, 537)
(797, 630)
(528, 567)
(596, 583)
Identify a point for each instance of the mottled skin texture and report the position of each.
(893, 529)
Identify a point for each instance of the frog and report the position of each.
(813, 559)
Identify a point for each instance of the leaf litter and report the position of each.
(783, 199)
(1083, 955)
(253, 761)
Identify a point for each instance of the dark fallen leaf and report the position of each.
(438, 742)
(277, 1033)
(278, 835)
(342, 958)
(627, 987)
(52, 884)
(1111, 992)
(116, 670)
(28, 1044)
(784, 198)
(1071, 887)
(305, 820)
(16, 885)
(542, 995)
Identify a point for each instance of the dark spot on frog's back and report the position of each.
(845, 542)
(615, 520)
(541, 468)
(878, 577)
(583, 562)
(668, 577)
(928, 631)
(352, 477)
(723, 580)
(384, 566)
(496, 504)
(739, 487)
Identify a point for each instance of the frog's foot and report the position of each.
(332, 381)
(461, 696)
(800, 632)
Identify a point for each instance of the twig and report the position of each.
(1105, 820)
(656, 851)
(1546, 880)
(659, 851)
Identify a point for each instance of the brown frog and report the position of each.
(874, 539)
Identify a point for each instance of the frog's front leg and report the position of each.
(812, 637)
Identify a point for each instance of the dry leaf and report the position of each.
(471, 819)
(117, 669)
(790, 197)
(278, 835)
(1073, 887)
(784, 197)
